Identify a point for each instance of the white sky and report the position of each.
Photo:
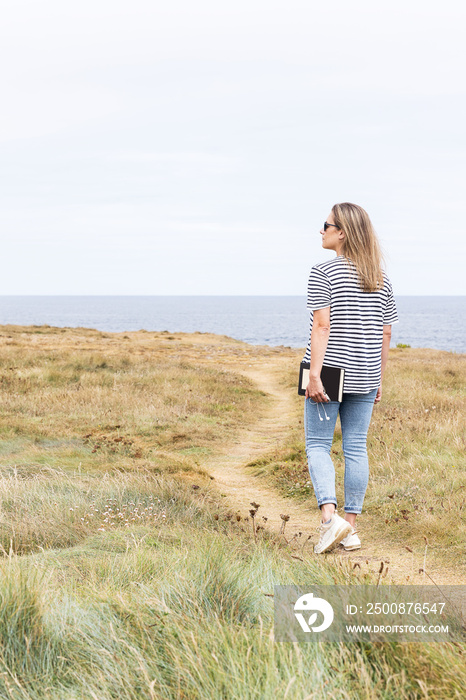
(196, 147)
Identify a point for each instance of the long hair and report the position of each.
(360, 245)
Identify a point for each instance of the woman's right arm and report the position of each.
(319, 340)
(387, 334)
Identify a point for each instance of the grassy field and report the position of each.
(81, 407)
(124, 576)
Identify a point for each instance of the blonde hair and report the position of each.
(360, 245)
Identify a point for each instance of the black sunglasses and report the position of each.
(326, 225)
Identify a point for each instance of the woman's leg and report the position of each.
(319, 426)
(355, 417)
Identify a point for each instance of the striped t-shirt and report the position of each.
(356, 322)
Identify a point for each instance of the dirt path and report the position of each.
(240, 488)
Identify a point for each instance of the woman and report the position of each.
(352, 310)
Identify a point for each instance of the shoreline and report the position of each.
(32, 329)
(425, 322)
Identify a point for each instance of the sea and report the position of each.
(425, 321)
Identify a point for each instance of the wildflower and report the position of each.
(285, 519)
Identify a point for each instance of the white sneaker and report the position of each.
(351, 541)
(332, 534)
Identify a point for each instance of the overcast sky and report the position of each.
(196, 147)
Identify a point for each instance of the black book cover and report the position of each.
(332, 379)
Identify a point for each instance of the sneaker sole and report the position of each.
(340, 536)
(350, 549)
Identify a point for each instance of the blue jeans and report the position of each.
(319, 425)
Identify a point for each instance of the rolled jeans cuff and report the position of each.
(324, 501)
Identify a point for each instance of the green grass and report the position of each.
(123, 575)
(179, 611)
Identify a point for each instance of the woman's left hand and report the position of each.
(315, 390)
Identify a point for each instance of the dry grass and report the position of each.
(80, 409)
(121, 578)
(52, 509)
(76, 398)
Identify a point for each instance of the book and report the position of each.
(332, 379)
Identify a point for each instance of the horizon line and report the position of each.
(203, 295)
